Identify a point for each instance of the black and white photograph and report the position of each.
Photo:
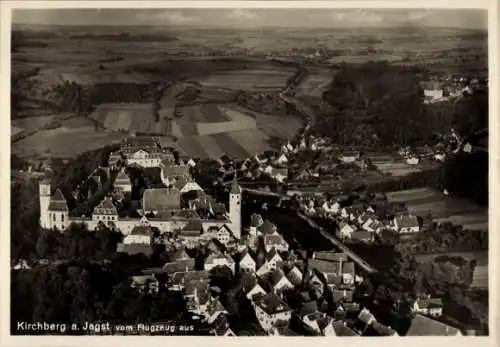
(249, 172)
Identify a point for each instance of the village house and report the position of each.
(427, 305)
(425, 326)
(267, 228)
(105, 211)
(275, 241)
(362, 236)
(349, 156)
(406, 224)
(309, 315)
(221, 327)
(270, 309)
(251, 286)
(295, 276)
(247, 261)
(191, 233)
(346, 230)
(272, 261)
(279, 282)
(218, 259)
(379, 329)
(214, 310)
(140, 234)
(123, 183)
(412, 160)
(145, 283)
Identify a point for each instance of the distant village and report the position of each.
(268, 266)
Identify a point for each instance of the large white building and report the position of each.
(54, 212)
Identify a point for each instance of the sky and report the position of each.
(255, 18)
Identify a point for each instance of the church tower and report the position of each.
(235, 208)
(44, 191)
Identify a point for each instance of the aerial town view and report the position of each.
(249, 172)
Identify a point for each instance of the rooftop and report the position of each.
(272, 304)
(425, 326)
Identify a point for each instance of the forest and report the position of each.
(378, 105)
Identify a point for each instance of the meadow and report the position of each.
(250, 80)
(422, 201)
(73, 137)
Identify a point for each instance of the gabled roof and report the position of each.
(179, 254)
(323, 266)
(235, 188)
(365, 316)
(341, 329)
(122, 178)
(214, 256)
(427, 302)
(272, 304)
(267, 227)
(192, 228)
(407, 221)
(348, 268)
(273, 240)
(362, 235)
(425, 326)
(248, 281)
(135, 248)
(276, 276)
(333, 279)
(161, 199)
(178, 278)
(196, 287)
(330, 256)
(142, 230)
(181, 265)
(272, 253)
(378, 329)
(215, 306)
(196, 275)
(175, 170)
(58, 202)
(256, 220)
(106, 204)
(308, 308)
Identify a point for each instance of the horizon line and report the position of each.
(221, 27)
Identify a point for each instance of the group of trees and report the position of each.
(79, 292)
(444, 238)
(78, 242)
(378, 105)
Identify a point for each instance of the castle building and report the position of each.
(160, 209)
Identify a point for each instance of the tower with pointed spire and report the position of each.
(44, 195)
(235, 208)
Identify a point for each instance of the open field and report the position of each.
(480, 276)
(240, 144)
(206, 113)
(396, 166)
(258, 80)
(134, 117)
(63, 142)
(314, 84)
(443, 208)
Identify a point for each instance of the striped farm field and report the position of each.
(422, 201)
(247, 79)
(202, 113)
